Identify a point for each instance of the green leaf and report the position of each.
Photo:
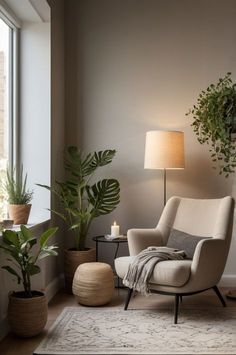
(13, 251)
(11, 238)
(13, 272)
(33, 269)
(44, 186)
(26, 233)
(104, 196)
(27, 240)
(46, 235)
(47, 252)
(59, 214)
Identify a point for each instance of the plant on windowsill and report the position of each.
(214, 121)
(27, 309)
(18, 196)
(81, 202)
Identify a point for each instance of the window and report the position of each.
(26, 95)
(6, 112)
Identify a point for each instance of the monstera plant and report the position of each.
(214, 121)
(82, 201)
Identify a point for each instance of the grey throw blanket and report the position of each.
(141, 269)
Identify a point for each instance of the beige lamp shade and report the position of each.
(164, 150)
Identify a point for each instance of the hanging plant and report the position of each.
(214, 121)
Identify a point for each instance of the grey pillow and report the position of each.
(184, 241)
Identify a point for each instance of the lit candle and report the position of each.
(115, 230)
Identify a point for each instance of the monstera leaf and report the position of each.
(80, 166)
(104, 196)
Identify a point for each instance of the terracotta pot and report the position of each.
(74, 258)
(27, 316)
(19, 213)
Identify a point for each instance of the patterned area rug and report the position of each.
(107, 331)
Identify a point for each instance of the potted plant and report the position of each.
(27, 310)
(214, 121)
(18, 197)
(82, 201)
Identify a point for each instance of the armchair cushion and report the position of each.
(170, 272)
(184, 241)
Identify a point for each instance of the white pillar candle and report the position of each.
(115, 230)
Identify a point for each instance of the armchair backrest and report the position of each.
(202, 217)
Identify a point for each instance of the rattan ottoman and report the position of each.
(93, 284)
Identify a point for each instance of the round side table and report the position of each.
(101, 239)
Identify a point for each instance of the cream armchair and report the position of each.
(211, 218)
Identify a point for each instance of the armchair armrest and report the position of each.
(140, 239)
(209, 261)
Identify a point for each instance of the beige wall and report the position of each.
(139, 65)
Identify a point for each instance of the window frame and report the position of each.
(13, 98)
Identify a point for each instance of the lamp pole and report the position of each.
(164, 171)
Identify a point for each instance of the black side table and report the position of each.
(118, 241)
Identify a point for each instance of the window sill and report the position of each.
(34, 226)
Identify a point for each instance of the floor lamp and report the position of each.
(164, 150)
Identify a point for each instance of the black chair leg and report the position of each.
(130, 291)
(219, 295)
(176, 310)
(181, 298)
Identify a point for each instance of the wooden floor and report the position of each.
(12, 345)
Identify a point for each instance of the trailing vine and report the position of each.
(214, 120)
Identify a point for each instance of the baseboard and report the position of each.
(228, 280)
(51, 289)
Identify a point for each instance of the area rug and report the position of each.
(82, 331)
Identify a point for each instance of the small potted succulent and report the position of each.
(82, 201)
(19, 196)
(27, 309)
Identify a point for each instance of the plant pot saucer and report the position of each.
(231, 294)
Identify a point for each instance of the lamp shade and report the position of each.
(164, 150)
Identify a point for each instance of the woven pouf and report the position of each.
(93, 284)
